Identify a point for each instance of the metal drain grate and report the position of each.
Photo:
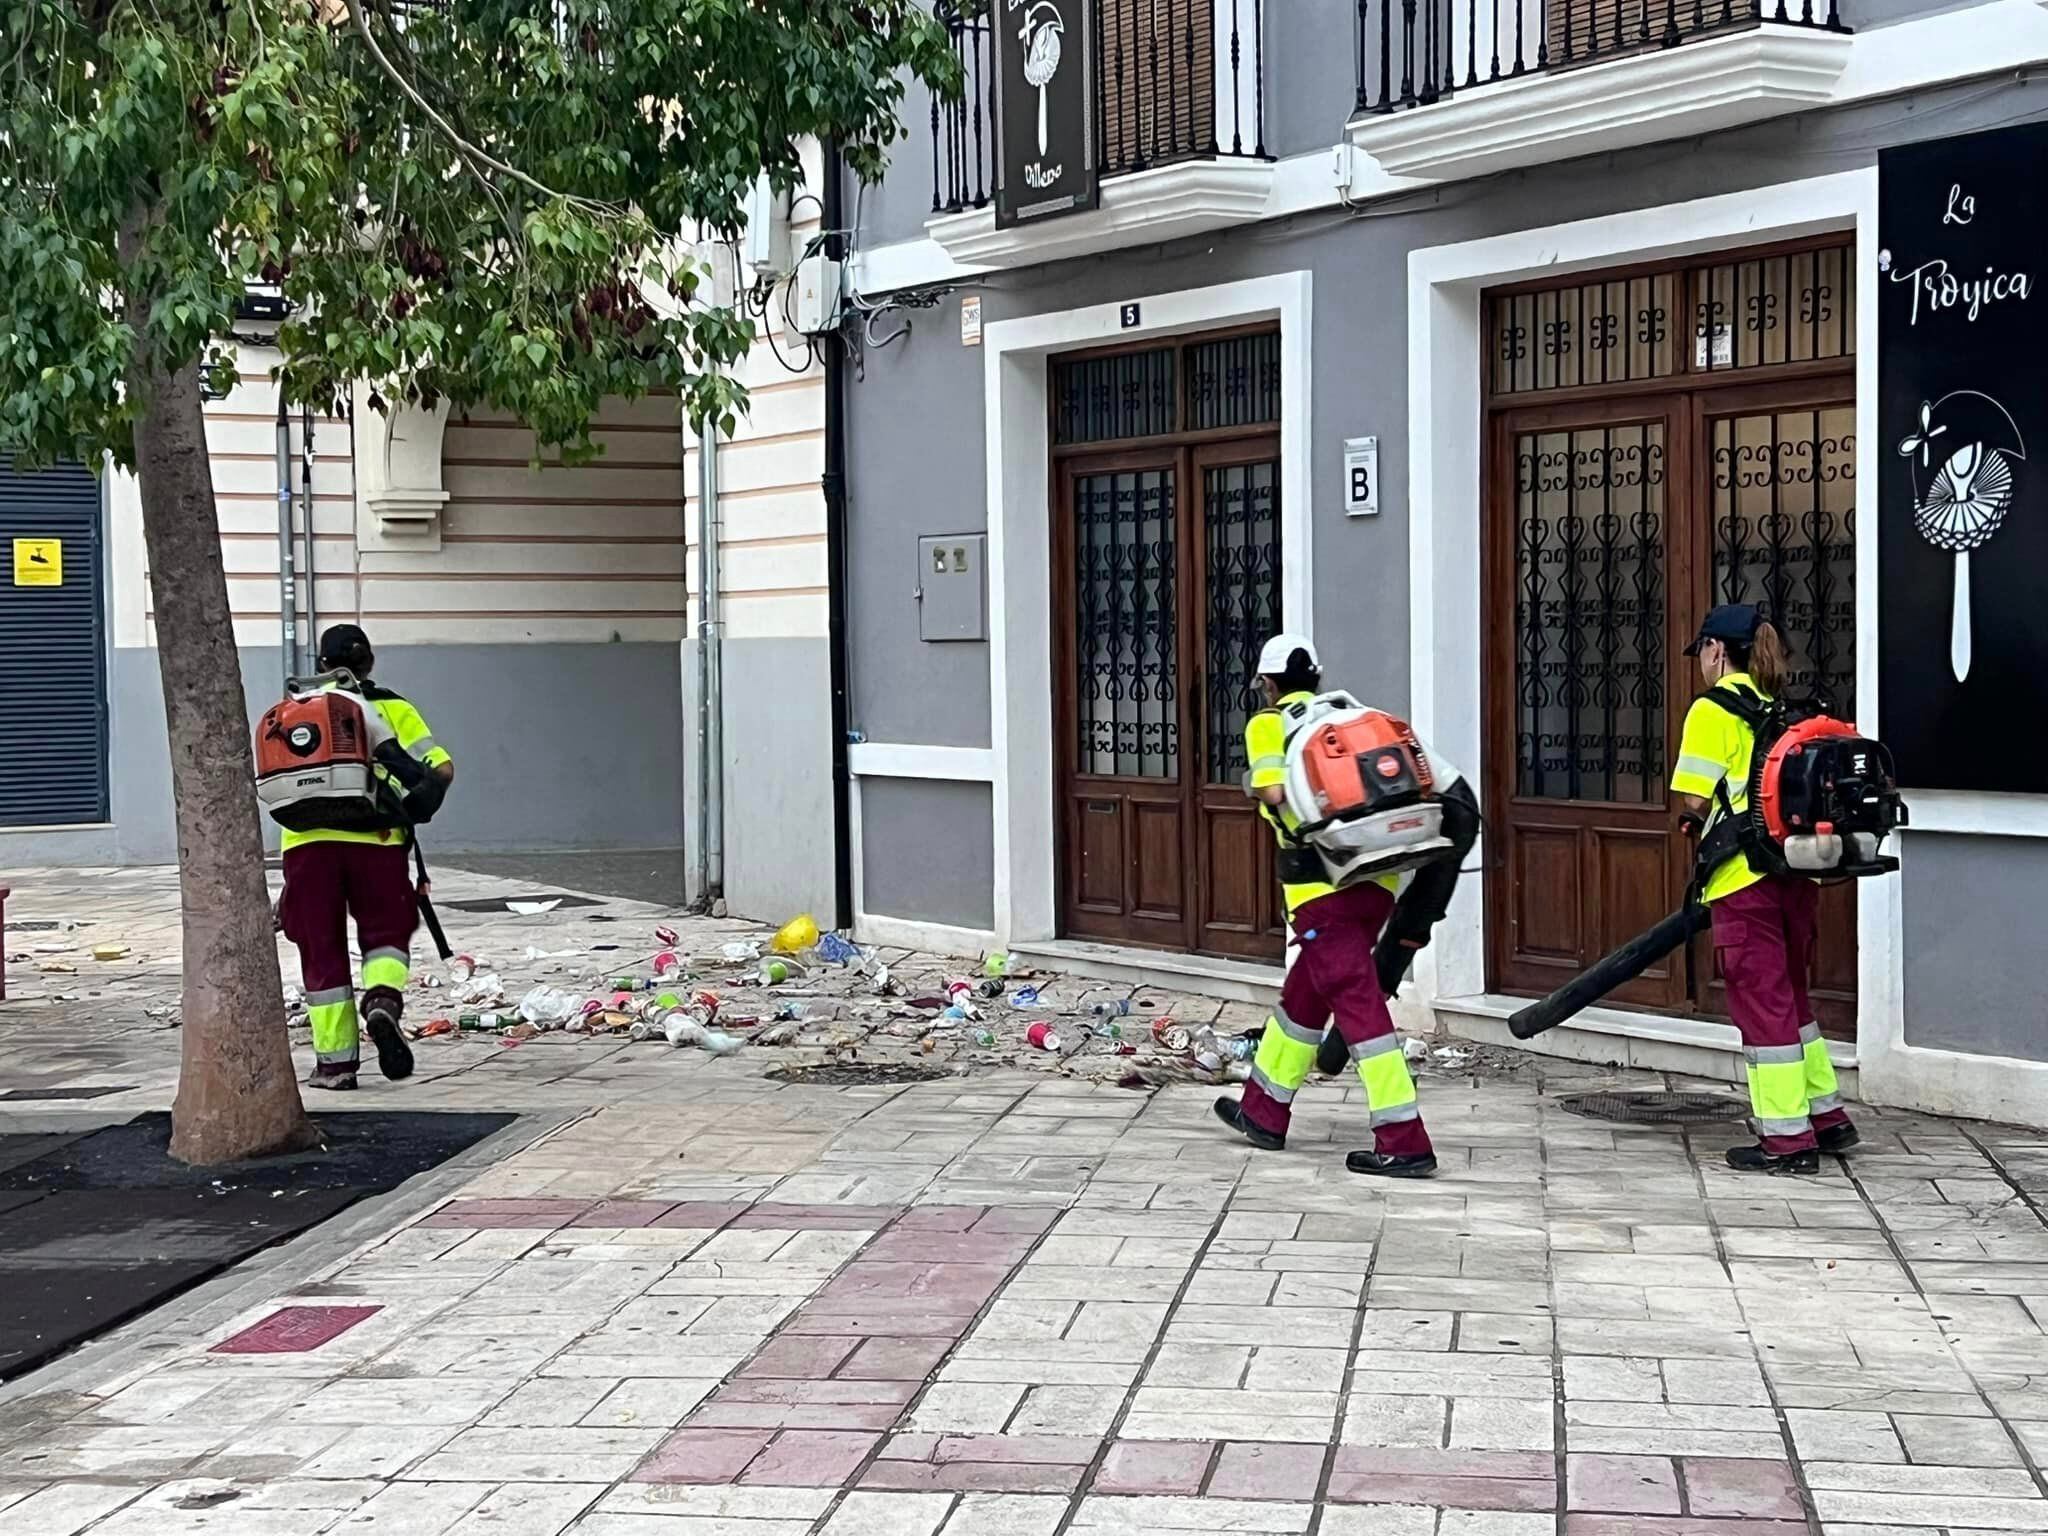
(1655, 1108)
(835, 1074)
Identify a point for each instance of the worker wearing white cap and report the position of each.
(1336, 974)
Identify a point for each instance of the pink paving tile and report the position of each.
(1622, 1485)
(810, 1458)
(871, 1320)
(1252, 1470)
(894, 1359)
(710, 1214)
(938, 1218)
(1449, 1492)
(972, 1477)
(910, 1447)
(624, 1213)
(776, 1389)
(961, 1283)
(702, 1456)
(1029, 1219)
(898, 1246)
(817, 1218)
(1154, 1466)
(1757, 1489)
(293, 1330)
(1420, 1462)
(807, 1356)
(1637, 1525)
(722, 1414)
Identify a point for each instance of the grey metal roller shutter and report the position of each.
(53, 692)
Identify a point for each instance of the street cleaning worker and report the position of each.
(331, 876)
(1764, 925)
(1336, 971)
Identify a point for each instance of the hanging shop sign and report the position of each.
(1962, 461)
(1045, 108)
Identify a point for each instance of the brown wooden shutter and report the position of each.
(1158, 102)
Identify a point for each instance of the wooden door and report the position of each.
(1777, 481)
(1581, 566)
(1236, 894)
(1124, 776)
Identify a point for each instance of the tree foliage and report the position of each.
(482, 201)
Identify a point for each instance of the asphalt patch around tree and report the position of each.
(98, 1228)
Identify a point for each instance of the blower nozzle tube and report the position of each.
(1610, 971)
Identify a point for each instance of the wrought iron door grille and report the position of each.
(1785, 537)
(1795, 308)
(1102, 399)
(1589, 613)
(1713, 318)
(1241, 507)
(1126, 651)
(1234, 382)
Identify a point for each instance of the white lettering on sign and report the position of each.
(1934, 283)
(1962, 207)
(1038, 177)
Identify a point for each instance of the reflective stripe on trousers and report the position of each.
(1823, 1093)
(333, 1017)
(1382, 1064)
(1777, 1089)
(1286, 1052)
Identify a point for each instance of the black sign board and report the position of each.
(1962, 460)
(1045, 108)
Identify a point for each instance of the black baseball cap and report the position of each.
(338, 642)
(1731, 621)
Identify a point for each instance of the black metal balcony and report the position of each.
(1175, 80)
(1415, 52)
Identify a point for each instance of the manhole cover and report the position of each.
(1652, 1108)
(833, 1074)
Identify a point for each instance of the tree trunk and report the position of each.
(237, 1093)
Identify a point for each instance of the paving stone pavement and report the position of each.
(696, 1301)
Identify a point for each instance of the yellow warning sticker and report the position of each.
(39, 562)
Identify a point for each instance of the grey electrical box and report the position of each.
(952, 586)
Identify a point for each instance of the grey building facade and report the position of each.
(1613, 322)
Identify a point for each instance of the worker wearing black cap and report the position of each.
(333, 875)
(1764, 925)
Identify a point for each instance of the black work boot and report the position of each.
(1388, 1165)
(380, 1016)
(1756, 1160)
(333, 1082)
(1333, 1055)
(1231, 1113)
(1838, 1138)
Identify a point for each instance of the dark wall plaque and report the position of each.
(1045, 108)
(1962, 460)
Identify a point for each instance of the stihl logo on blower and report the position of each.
(1362, 789)
(1821, 798)
(316, 756)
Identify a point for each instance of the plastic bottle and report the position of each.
(1108, 1030)
(1243, 1049)
(985, 1036)
(1209, 1052)
(789, 1011)
(773, 972)
(1025, 997)
(998, 965)
(1115, 1008)
(631, 984)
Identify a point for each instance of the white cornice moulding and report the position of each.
(1643, 98)
(399, 489)
(1142, 208)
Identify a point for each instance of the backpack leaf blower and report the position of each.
(327, 760)
(1820, 801)
(1365, 799)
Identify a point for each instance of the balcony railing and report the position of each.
(1176, 80)
(1412, 53)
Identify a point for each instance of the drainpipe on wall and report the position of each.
(287, 561)
(310, 655)
(834, 487)
(710, 701)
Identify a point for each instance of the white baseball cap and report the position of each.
(1275, 654)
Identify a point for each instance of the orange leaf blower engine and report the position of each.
(1362, 789)
(316, 755)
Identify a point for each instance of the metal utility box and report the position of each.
(952, 586)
